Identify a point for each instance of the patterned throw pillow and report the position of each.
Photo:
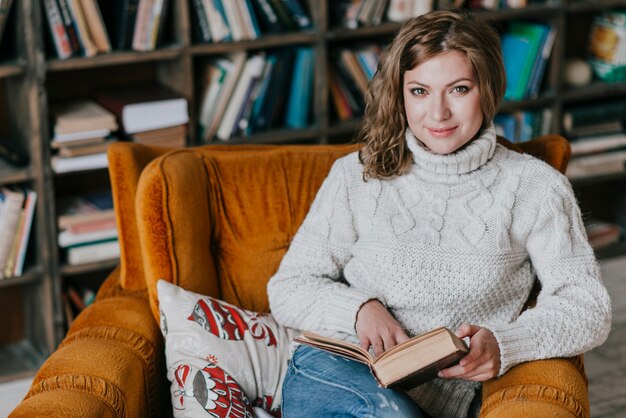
(222, 361)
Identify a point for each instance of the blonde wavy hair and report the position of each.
(385, 153)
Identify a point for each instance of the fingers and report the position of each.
(467, 330)
(384, 341)
(483, 361)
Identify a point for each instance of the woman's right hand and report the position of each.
(376, 327)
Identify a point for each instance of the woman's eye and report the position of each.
(418, 91)
(461, 89)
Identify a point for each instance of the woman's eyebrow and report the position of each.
(447, 85)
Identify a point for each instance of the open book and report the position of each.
(404, 366)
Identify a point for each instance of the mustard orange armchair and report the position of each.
(217, 220)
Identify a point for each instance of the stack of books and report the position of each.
(244, 94)
(596, 133)
(17, 207)
(76, 28)
(150, 114)
(237, 20)
(87, 228)
(349, 77)
(82, 133)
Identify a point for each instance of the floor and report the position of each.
(605, 365)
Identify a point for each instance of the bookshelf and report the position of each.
(30, 80)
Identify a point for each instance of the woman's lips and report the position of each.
(441, 133)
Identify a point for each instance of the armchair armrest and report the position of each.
(554, 388)
(110, 364)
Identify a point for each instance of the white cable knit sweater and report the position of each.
(456, 240)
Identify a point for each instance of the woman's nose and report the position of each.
(440, 109)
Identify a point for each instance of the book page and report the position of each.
(335, 346)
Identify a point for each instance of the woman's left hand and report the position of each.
(482, 362)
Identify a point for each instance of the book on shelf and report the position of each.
(250, 74)
(17, 205)
(80, 163)
(10, 212)
(522, 49)
(122, 14)
(299, 102)
(145, 107)
(597, 143)
(81, 115)
(149, 24)
(408, 364)
(79, 210)
(58, 34)
(238, 20)
(269, 109)
(81, 149)
(401, 10)
(174, 136)
(89, 47)
(95, 25)
(71, 28)
(597, 164)
(93, 252)
(598, 117)
(522, 126)
(229, 83)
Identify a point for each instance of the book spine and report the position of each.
(59, 35)
(200, 21)
(29, 211)
(70, 27)
(142, 22)
(283, 15)
(268, 19)
(218, 5)
(96, 25)
(298, 14)
(126, 17)
(11, 212)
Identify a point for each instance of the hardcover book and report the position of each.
(404, 366)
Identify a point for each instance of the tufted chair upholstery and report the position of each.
(217, 220)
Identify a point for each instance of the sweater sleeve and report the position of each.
(573, 310)
(308, 291)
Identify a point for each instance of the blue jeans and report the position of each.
(319, 384)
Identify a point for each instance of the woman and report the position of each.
(433, 224)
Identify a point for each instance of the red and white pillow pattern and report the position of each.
(222, 361)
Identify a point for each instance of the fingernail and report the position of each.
(440, 374)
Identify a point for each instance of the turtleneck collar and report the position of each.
(469, 158)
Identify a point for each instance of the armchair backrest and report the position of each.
(218, 221)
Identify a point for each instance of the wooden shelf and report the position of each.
(31, 275)
(114, 58)
(279, 136)
(12, 69)
(19, 360)
(67, 270)
(266, 42)
(10, 174)
(343, 34)
(595, 90)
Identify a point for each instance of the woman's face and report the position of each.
(442, 102)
